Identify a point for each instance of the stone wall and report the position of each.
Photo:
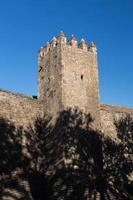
(23, 110)
(109, 114)
(20, 109)
(80, 80)
(49, 79)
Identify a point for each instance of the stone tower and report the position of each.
(68, 76)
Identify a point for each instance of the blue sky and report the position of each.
(25, 25)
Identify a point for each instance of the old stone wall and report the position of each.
(80, 79)
(20, 109)
(109, 114)
(50, 81)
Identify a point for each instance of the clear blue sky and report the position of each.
(25, 25)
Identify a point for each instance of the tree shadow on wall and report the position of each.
(118, 160)
(65, 160)
(77, 162)
(124, 129)
(13, 184)
(68, 155)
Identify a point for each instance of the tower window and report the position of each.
(82, 77)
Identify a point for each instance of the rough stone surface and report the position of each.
(20, 109)
(109, 114)
(79, 79)
(49, 81)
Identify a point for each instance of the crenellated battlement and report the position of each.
(71, 43)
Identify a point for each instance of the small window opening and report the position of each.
(82, 77)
